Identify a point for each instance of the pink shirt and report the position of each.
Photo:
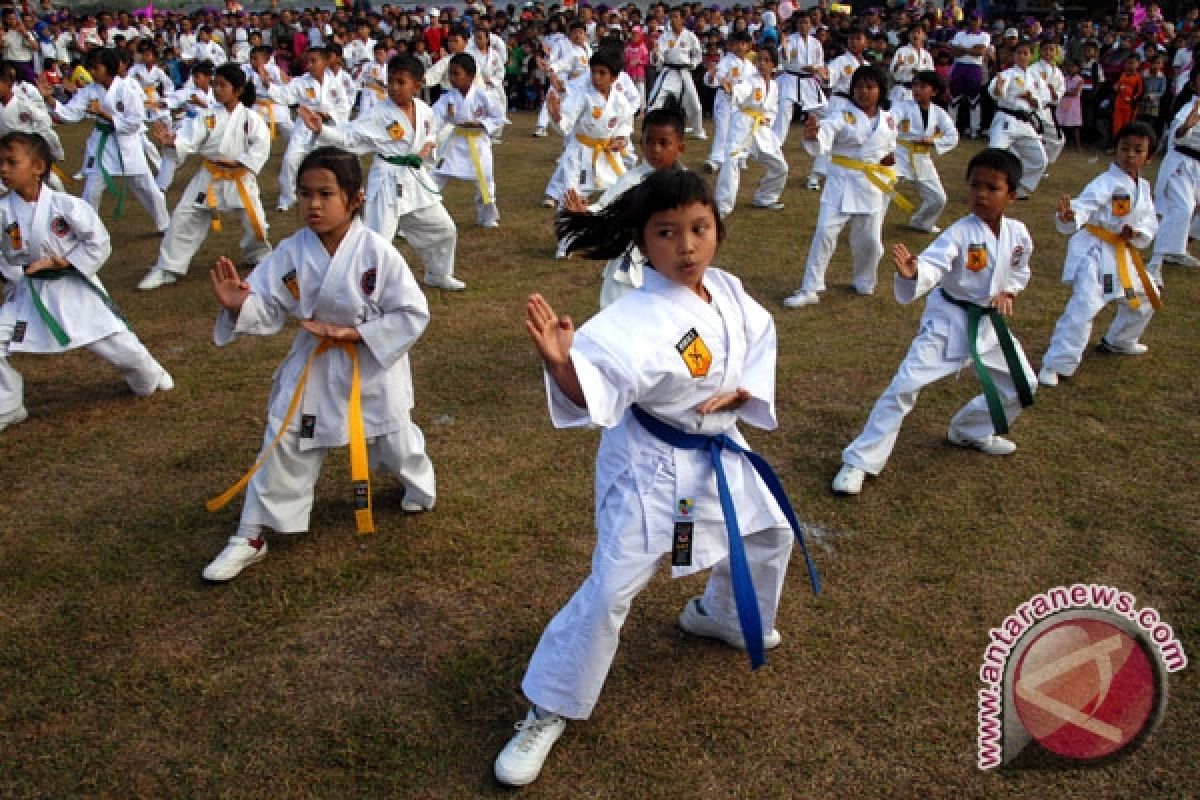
(636, 59)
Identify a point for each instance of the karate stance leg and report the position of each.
(771, 186)
(152, 199)
(1176, 203)
(1129, 323)
(1033, 160)
(866, 248)
(767, 554)
(933, 203)
(973, 422)
(12, 386)
(728, 181)
(188, 229)
(830, 222)
(433, 235)
(126, 352)
(403, 452)
(1074, 327)
(280, 495)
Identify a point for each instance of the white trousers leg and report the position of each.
(298, 147)
(152, 155)
(933, 202)
(973, 421)
(151, 197)
(556, 187)
(721, 118)
(866, 247)
(543, 117)
(166, 169)
(1053, 145)
(830, 222)
(189, 228)
(1033, 160)
(280, 495)
(126, 352)
(432, 233)
(12, 385)
(728, 181)
(691, 103)
(770, 188)
(767, 554)
(1176, 203)
(1074, 327)
(403, 452)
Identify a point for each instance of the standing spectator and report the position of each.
(637, 57)
(19, 46)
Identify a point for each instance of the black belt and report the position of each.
(1024, 116)
(801, 74)
(842, 94)
(1190, 152)
(905, 84)
(683, 67)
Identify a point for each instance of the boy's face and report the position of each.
(923, 93)
(739, 48)
(917, 37)
(456, 44)
(661, 146)
(578, 36)
(460, 79)
(676, 21)
(1049, 52)
(1133, 153)
(766, 64)
(315, 64)
(1022, 55)
(1089, 52)
(988, 193)
(857, 43)
(866, 95)
(481, 41)
(401, 87)
(202, 80)
(602, 79)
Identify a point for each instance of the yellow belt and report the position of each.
(759, 118)
(471, 134)
(916, 147)
(57, 170)
(601, 146)
(218, 172)
(881, 177)
(1126, 253)
(360, 474)
(269, 105)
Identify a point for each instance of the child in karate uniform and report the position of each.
(235, 144)
(22, 108)
(907, 63)
(731, 71)
(1113, 215)
(750, 135)
(972, 273)
(676, 53)
(861, 140)
(1020, 94)
(803, 73)
(399, 130)
(689, 351)
(51, 246)
(465, 151)
(925, 129)
(264, 74)
(346, 380)
(1177, 186)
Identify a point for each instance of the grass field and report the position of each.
(389, 665)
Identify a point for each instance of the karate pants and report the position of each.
(280, 495)
(576, 651)
(141, 186)
(925, 363)
(866, 247)
(1027, 148)
(431, 232)
(166, 169)
(682, 87)
(485, 213)
(1074, 327)
(123, 350)
(153, 158)
(769, 188)
(933, 202)
(556, 187)
(722, 114)
(789, 98)
(1176, 201)
(299, 146)
(189, 228)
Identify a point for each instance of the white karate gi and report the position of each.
(1014, 134)
(26, 111)
(454, 146)
(489, 67)
(841, 70)
(182, 103)
(754, 105)
(358, 52)
(625, 272)
(327, 96)
(567, 62)
(798, 83)
(58, 224)
(1177, 187)
(906, 63)
(372, 81)
(736, 70)
(590, 121)
(238, 136)
(848, 196)
(401, 198)
(1091, 267)
(208, 51)
(627, 354)
(1054, 86)
(123, 153)
(914, 156)
(941, 347)
(365, 284)
(676, 55)
(277, 115)
(157, 86)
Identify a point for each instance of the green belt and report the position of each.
(413, 161)
(1008, 346)
(51, 323)
(106, 129)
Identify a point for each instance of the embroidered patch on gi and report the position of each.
(758, 95)
(905, 126)
(293, 285)
(60, 227)
(395, 130)
(308, 426)
(311, 93)
(597, 112)
(210, 122)
(1121, 205)
(891, 122)
(977, 257)
(735, 72)
(1018, 251)
(695, 353)
(849, 117)
(15, 239)
(367, 281)
(670, 43)
(19, 331)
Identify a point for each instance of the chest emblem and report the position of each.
(310, 93)
(396, 131)
(848, 69)
(367, 282)
(695, 354)
(758, 95)
(210, 122)
(977, 257)
(905, 126)
(1121, 205)
(15, 240)
(670, 43)
(60, 227)
(849, 117)
(293, 285)
(735, 72)
(597, 111)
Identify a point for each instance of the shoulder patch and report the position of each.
(850, 117)
(1018, 252)
(695, 353)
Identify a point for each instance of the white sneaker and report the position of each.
(814, 183)
(18, 414)
(1048, 377)
(548, 202)
(539, 132)
(165, 382)
(521, 760)
(993, 445)
(696, 621)
(1128, 349)
(238, 554)
(491, 223)
(849, 480)
(156, 278)
(1182, 259)
(776, 206)
(448, 282)
(413, 507)
(801, 298)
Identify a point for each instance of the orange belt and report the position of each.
(1126, 253)
(219, 172)
(599, 146)
(269, 106)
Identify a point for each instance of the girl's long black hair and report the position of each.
(609, 233)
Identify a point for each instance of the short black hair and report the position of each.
(669, 115)
(1136, 129)
(741, 36)
(610, 58)
(37, 145)
(346, 168)
(410, 64)
(868, 72)
(999, 160)
(930, 79)
(464, 61)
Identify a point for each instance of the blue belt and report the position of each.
(744, 595)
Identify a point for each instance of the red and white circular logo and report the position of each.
(1085, 688)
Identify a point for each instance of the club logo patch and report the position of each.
(293, 285)
(311, 93)
(367, 281)
(60, 227)
(758, 95)
(1018, 253)
(735, 72)
(849, 69)
(15, 240)
(849, 117)
(25, 117)
(597, 112)
(1121, 205)
(977, 257)
(120, 107)
(396, 131)
(695, 353)
(210, 122)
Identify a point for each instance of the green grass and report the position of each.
(390, 665)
